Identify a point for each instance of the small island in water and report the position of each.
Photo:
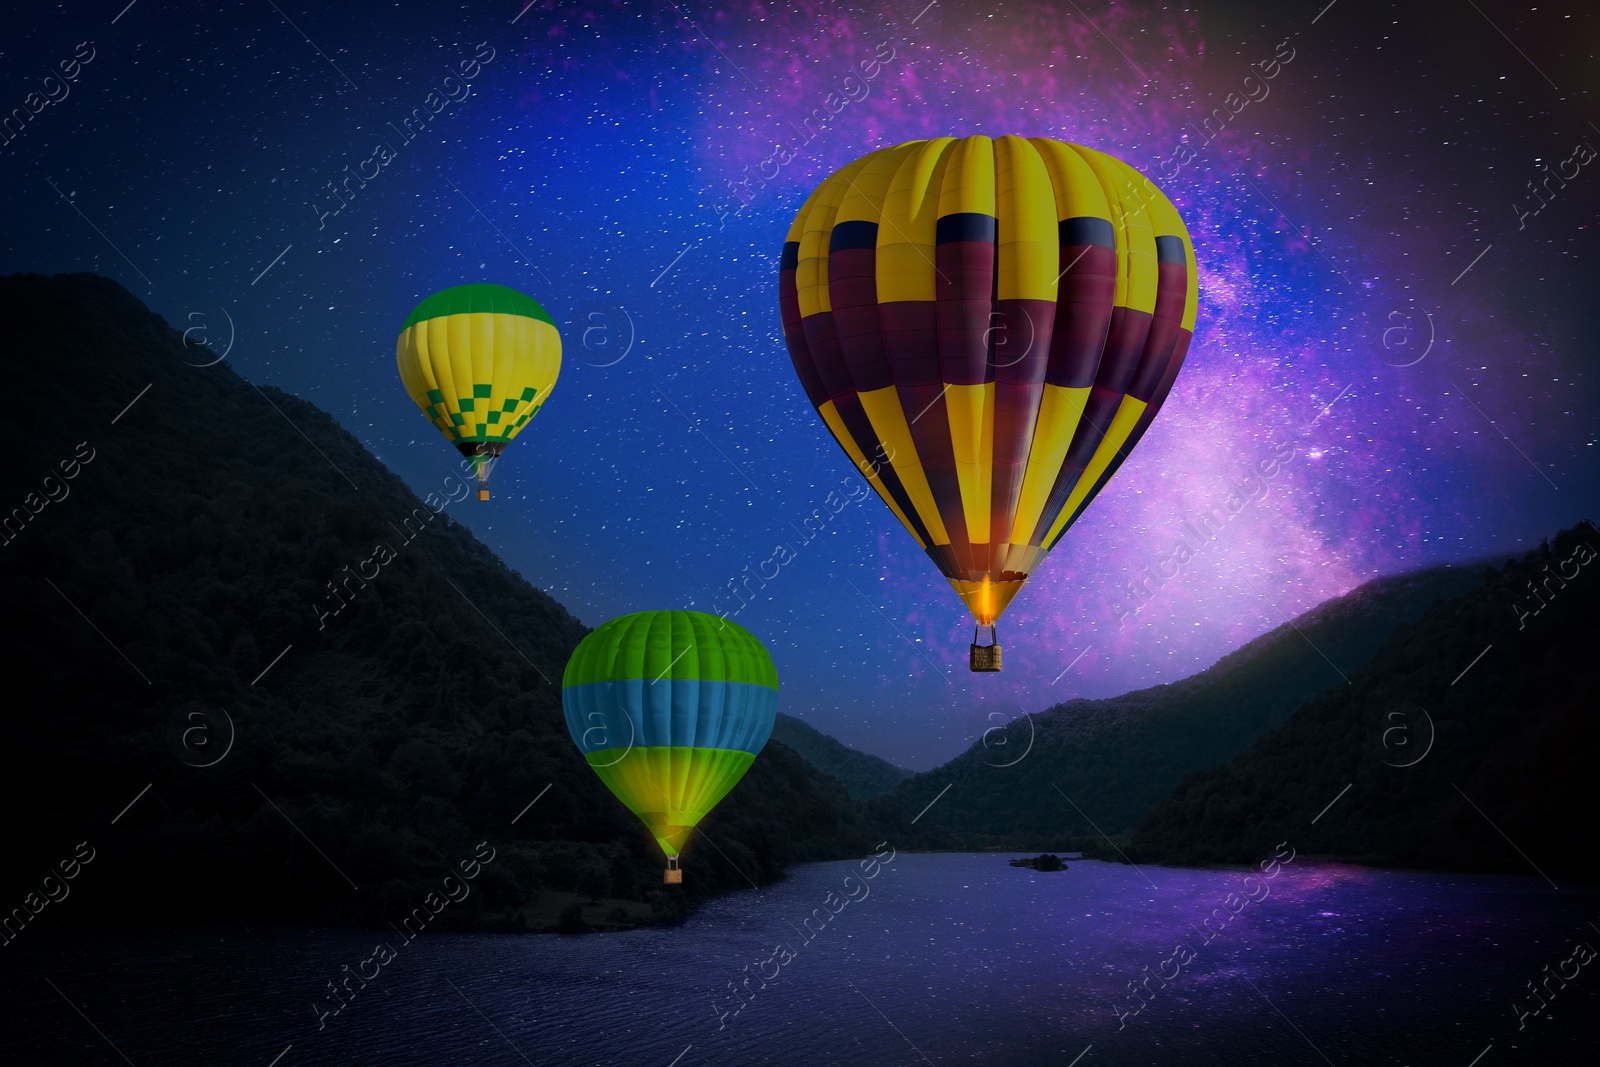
(1049, 861)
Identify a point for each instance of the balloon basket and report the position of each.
(673, 875)
(483, 494)
(984, 659)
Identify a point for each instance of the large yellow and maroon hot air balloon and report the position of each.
(480, 361)
(987, 327)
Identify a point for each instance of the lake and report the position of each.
(939, 959)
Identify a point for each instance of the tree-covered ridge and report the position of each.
(1468, 742)
(1094, 766)
(226, 561)
(864, 775)
(255, 678)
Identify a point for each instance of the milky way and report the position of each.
(1386, 322)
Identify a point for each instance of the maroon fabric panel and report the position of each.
(1172, 294)
(1083, 314)
(853, 292)
(860, 429)
(931, 433)
(1125, 343)
(911, 337)
(1180, 349)
(794, 335)
(823, 341)
(964, 292)
(911, 340)
(1020, 363)
(1159, 395)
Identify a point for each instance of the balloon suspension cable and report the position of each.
(481, 462)
(984, 659)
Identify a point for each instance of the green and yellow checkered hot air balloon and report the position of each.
(670, 708)
(479, 360)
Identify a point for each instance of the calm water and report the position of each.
(951, 959)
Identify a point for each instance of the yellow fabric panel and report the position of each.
(1166, 222)
(1144, 270)
(416, 378)
(830, 415)
(434, 356)
(670, 789)
(798, 226)
(516, 352)
(888, 420)
(1191, 306)
(986, 600)
(1025, 202)
(865, 193)
(1136, 242)
(811, 273)
(451, 336)
(540, 362)
(968, 184)
(500, 357)
(1122, 424)
(1060, 410)
(971, 411)
(910, 217)
(1028, 253)
(1077, 190)
(428, 362)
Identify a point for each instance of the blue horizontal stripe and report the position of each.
(677, 712)
(855, 234)
(1086, 230)
(965, 226)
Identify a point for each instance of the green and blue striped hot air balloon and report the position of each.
(670, 708)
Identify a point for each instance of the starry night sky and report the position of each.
(1435, 413)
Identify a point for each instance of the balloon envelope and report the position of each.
(670, 708)
(480, 361)
(987, 327)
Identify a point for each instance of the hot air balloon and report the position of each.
(670, 708)
(480, 361)
(987, 327)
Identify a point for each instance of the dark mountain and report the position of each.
(1115, 758)
(250, 671)
(1503, 680)
(173, 537)
(863, 774)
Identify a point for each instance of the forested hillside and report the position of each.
(1469, 741)
(865, 775)
(191, 563)
(1117, 757)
